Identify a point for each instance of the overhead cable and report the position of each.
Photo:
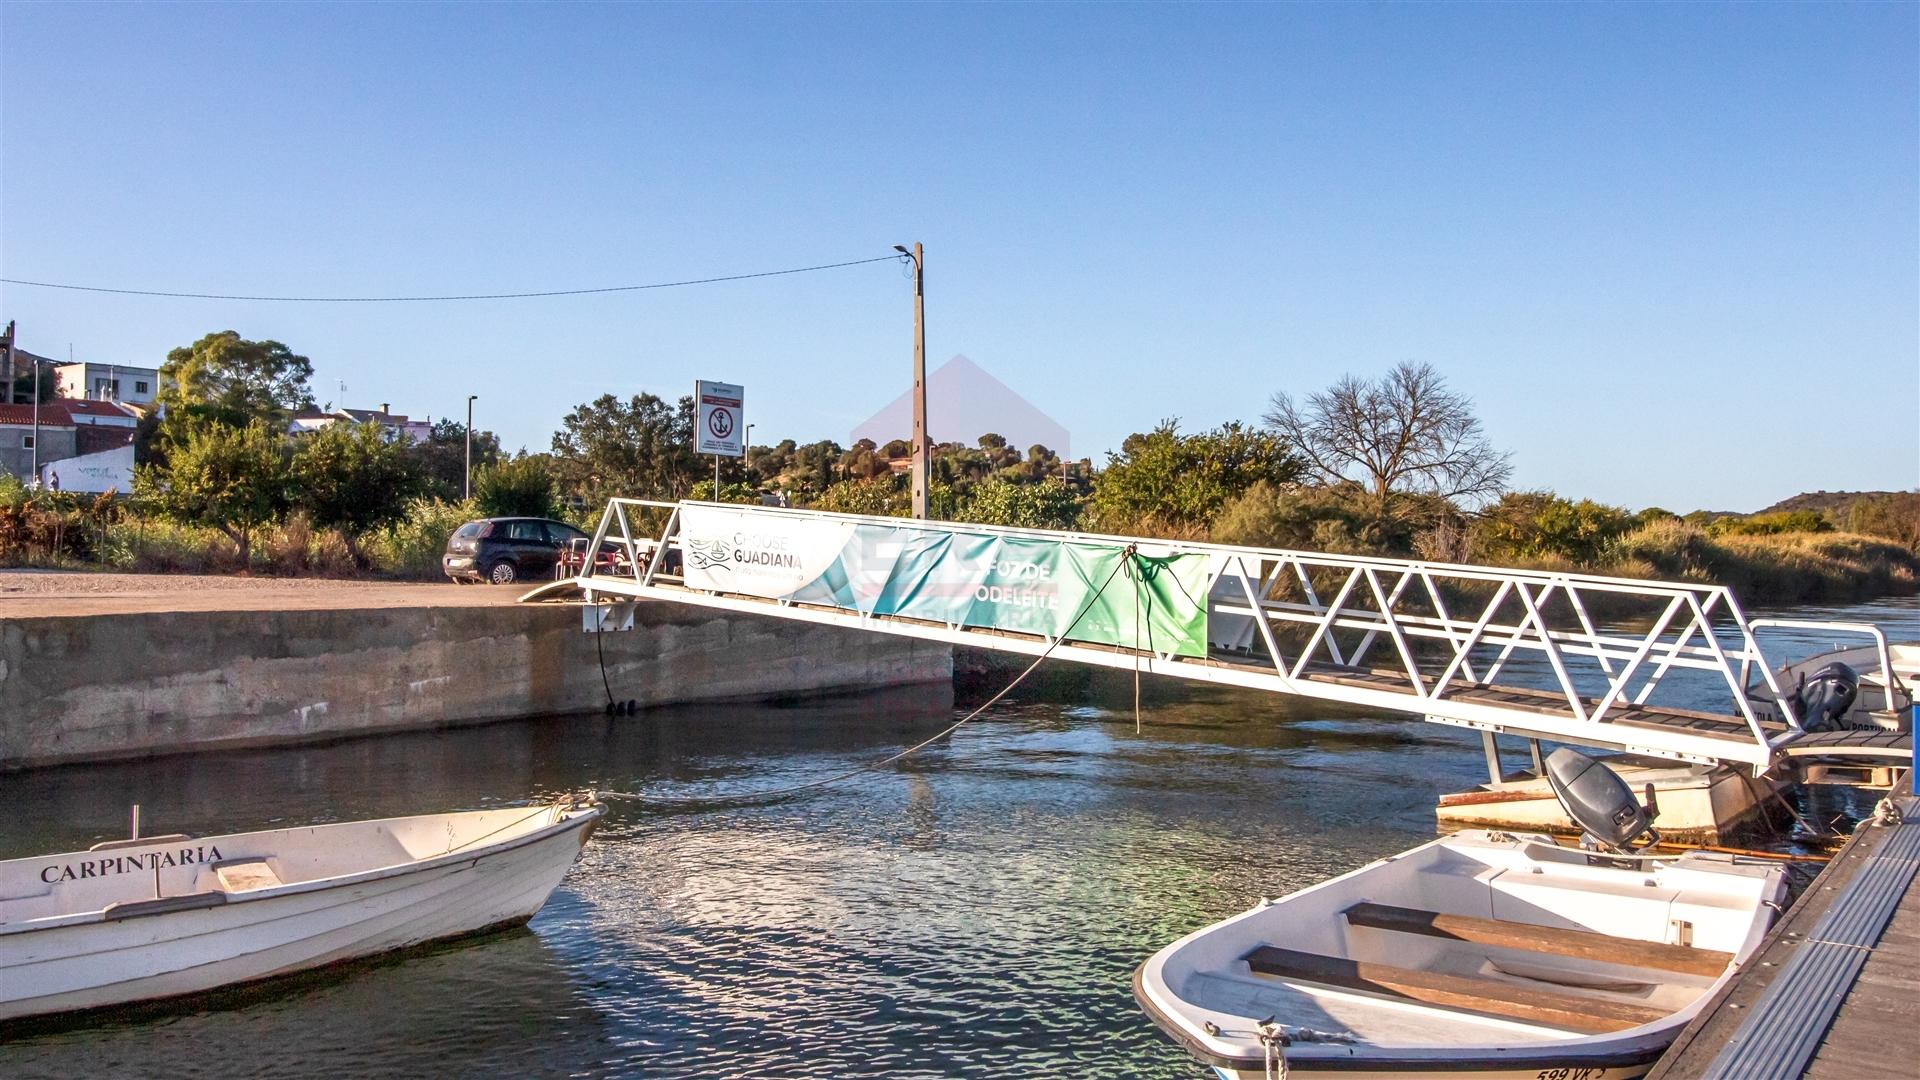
(420, 299)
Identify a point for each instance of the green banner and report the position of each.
(1019, 583)
(952, 575)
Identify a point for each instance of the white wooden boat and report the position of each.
(136, 920)
(1699, 804)
(1479, 954)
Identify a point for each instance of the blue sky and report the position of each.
(1672, 251)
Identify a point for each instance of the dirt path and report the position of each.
(29, 593)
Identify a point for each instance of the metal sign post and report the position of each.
(719, 423)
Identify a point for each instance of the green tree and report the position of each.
(1530, 524)
(1895, 515)
(702, 491)
(352, 477)
(441, 460)
(876, 496)
(516, 487)
(225, 377)
(1165, 481)
(1048, 504)
(1774, 524)
(641, 448)
(228, 478)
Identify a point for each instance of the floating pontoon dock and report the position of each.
(1834, 994)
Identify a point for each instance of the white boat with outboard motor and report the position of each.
(1481, 954)
(1868, 686)
(161, 916)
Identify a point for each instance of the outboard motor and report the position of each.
(1600, 802)
(1825, 696)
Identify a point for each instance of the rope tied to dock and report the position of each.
(1128, 556)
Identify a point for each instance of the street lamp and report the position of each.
(471, 398)
(921, 450)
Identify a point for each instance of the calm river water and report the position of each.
(975, 910)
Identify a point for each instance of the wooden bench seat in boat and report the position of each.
(1581, 944)
(1572, 1012)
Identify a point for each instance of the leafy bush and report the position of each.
(876, 496)
(50, 527)
(412, 546)
(232, 479)
(520, 487)
(1048, 504)
(351, 477)
(1530, 525)
(1292, 516)
(296, 549)
(1173, 481)
(1773, 568)
(729, 493)
(1894, 517)
(1775, 524)
(153, 545)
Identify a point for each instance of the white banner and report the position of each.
(720, 424)
(755, 552)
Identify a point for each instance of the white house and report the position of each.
(108, 382)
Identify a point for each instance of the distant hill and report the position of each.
(1822, 501)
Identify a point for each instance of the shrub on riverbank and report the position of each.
(50, 528)
(1766, 568)
(412, 546)
(293, 548)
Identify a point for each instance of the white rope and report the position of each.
(1273, 1040)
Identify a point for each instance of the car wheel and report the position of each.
(503, 573)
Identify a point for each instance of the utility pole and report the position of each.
(922, 450)
(6, 346)
(36, 417)
(469, 488)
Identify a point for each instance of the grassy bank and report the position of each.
(1785, 568)
(80, 535)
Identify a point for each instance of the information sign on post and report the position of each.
(720, 425)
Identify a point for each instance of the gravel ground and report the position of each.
(28, 593)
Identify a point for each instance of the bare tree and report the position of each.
(1404, 433)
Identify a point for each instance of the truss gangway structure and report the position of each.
(1668, 669)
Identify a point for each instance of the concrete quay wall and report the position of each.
(91, 687)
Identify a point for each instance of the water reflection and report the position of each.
(501, 1005)
(975, 910)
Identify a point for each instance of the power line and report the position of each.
(478, 296)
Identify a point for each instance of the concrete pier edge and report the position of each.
(91, 687)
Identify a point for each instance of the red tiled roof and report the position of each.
(51, 415)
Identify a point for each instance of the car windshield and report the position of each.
(468, 531)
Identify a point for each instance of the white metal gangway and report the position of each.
(1663, 668)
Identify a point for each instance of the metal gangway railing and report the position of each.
(1670, 669)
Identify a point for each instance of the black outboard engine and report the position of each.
(1825, 696)
(1600, 802)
